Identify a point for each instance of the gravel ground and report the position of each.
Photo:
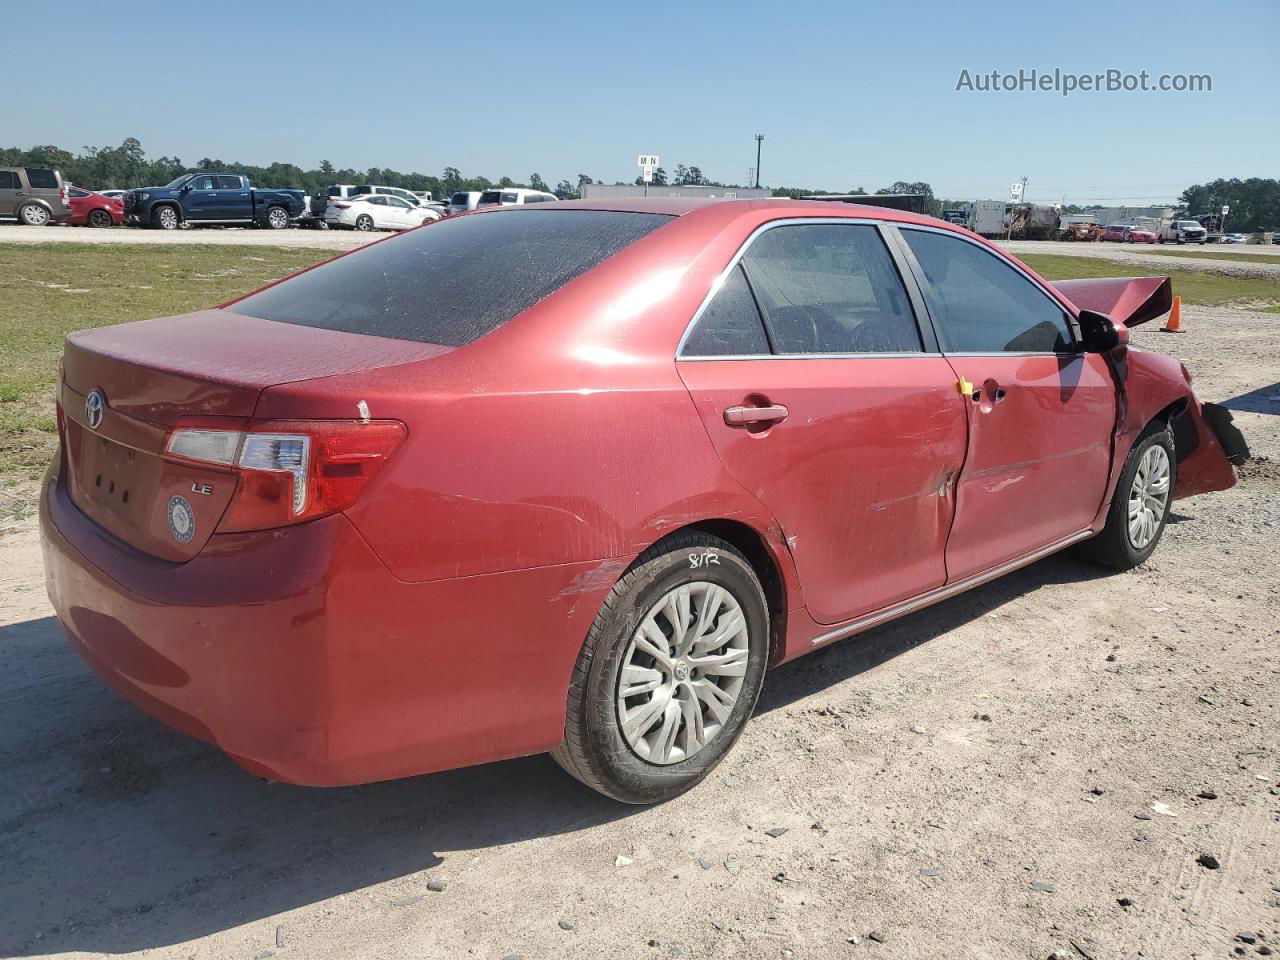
(238, 236)
(1063, 760)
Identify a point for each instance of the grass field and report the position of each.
(46, 291)
(1194, 286)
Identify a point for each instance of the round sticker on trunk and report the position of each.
(182, 519)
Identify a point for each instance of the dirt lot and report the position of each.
(1042, 764)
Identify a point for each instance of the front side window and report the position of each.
(830, 288)
(730, 325)
(203, 183)
(981, 304)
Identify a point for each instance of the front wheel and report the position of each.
(670, 671)
(1140, 506)
(34, 215)
(165, 218)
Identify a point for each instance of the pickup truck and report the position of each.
(197, 198)
(1182, 231)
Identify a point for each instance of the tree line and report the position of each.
(1255, 203)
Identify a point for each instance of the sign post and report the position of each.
(647, 162)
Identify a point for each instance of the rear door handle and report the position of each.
(736, 416)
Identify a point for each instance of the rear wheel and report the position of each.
(364, 222)
(34, 215)
(99, 218)
(277, 218)
(1140, 506)
(165, 218)
(670, 671)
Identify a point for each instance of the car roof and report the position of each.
(683, 206)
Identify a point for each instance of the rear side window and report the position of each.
(73, 192)
(830, 288)
(42, 179)
(980, 304)
(456, 282)
(229, 183)
(730, 325)
(459, 199)
(9, 180)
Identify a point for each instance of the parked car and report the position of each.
(376, 212)
(1234, 238)
(573, 477)
(1127, 233)
(318, 204)
(515, 196)
(194, 199)
(94, 209)
(464, 201)
(33, 196)
(1183, 231)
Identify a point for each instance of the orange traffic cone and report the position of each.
(1175, 318)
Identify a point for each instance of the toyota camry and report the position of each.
(572, 477)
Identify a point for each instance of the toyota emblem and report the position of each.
(94, 405)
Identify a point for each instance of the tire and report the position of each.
(1115, 546)
(165, 218)
(277, 218)
(34, 215)
(364, 222)
(635, 766)
(99, 218)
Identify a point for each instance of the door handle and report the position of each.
(737, 416)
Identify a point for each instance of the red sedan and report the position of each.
(1126, 233)
(572, 477)
(93, 209)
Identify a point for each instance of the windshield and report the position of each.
(454, 283)
(175, 184)
(1189, 225)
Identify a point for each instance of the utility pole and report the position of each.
(759, 140)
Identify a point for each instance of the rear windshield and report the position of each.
(455, 281)
(490, 197)
(42, 179)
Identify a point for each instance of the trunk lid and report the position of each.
(123, 388)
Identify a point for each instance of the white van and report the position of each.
(514, 196)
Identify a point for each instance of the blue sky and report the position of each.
(846, 94)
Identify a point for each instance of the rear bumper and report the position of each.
(299, 654)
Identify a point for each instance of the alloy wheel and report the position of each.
(277, 218)
(682, 672)
(35, 215)
(1148, 496)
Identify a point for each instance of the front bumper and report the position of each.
(300, 655)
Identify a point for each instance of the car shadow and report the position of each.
(1263, 400)
(119, 834)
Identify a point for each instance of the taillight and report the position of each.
(343, 206)
(290, 470)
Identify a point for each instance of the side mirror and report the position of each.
(1101, 334)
